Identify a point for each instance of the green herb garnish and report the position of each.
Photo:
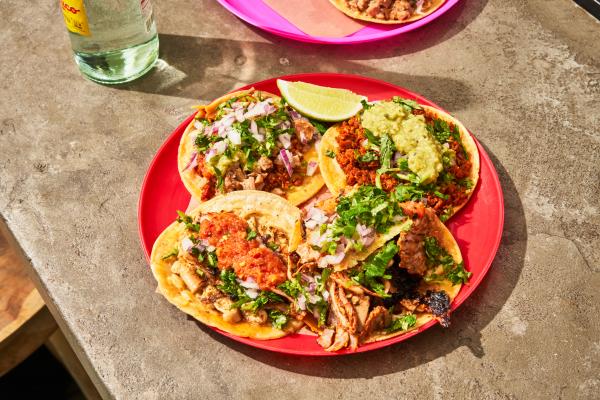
(402, 323)
(330, 153)
(278, 319)
(188, 221)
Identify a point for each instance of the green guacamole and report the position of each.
(410, 136)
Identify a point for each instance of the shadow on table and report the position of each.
(467, 322)
(205, 68)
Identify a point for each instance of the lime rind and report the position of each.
(319, 102)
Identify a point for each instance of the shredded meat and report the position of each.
(304, 129)
(411, 243)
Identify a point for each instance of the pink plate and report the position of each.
(163, 193)
(257, 13)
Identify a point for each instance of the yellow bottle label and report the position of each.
(75, 17)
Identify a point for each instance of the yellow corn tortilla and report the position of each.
(269, 210)
(334, 175)
(195, 182)
(447, 242)
(343, 7)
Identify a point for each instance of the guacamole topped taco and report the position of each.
(387, 11)
(249, 140)
(223, 263)
(418, 152)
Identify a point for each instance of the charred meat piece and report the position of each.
(411, 243)
(405, 285)
(438, 303)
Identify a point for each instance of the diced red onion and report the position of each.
(317, 239)
(294, 114)
(252, 293)
(285, 158)
(198, 125)
(249, 283)
(286, 140)
(193, 162)
(367, 240)
(311, 168)
(446, 145)
(364, 143)
(301, 302)
(313, 298)
(209, 130)
(397, 156)
(325, 295)
(239, 115)
(363, 230)
(187, 244)
(234, 137)
(210, 249)
(220, 146)
(307, 278)
(310, 224)
(253, 127)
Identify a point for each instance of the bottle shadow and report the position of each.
(467, 322)
(205, 68)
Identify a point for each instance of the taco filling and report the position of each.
(387, 11)
(252, 141)
(404, 148)
(396, 289)
(234, 266)
(344, 230)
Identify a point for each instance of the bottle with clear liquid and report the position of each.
(114, 41)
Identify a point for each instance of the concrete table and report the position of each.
(524, 76)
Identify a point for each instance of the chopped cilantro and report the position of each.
(220, 180)
(402, 323)
(320, 126)
(330, 153)
(278, 319)
(438, 256)
(374, 140)
(235, 291)
(273, 246)
(251, 234)
(366, 105)
(374, 268)
(368, 157)
(441, 195)
(407, 104)
(188, 221)
(291, 287)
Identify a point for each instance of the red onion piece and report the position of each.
(285, 140)
(234, 137)
(193, 162)
(283, 154)
(311, 168)
(301, 302)
(187, 244)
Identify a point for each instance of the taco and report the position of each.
(387, 11)
(223, 263)
(418, 152)
(398, 288)
(249, 140)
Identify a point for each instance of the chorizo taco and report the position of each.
(387, 11)
(418, 152)
(222, 264)
(249, 140)
(398, 288)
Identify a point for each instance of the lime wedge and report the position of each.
(320, 102)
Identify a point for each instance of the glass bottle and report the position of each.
(114, 41)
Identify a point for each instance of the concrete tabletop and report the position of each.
(523, 76)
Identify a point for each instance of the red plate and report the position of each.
(163, 193)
